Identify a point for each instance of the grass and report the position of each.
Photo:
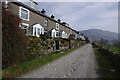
(30, 65)
(112, 48)
(107, 68)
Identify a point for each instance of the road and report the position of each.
(80, 63)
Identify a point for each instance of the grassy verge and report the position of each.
(33, 64)
(107, 68)
(112, 48)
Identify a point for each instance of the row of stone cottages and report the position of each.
(36, 22)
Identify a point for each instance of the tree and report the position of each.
(103, 41)
(13, 39)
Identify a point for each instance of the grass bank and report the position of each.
(112, 48)
(107, 68)
(25, 67)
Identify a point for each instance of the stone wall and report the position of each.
(113, 55)
(39, 48)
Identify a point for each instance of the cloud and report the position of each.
(84, 15)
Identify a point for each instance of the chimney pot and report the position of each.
(59, 20)
(43, 11)
(52, 16)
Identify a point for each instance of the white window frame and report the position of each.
(25, 25)
(20, 9)
(57, 27)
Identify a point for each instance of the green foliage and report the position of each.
(64, 43)
(112, 48)
(14, 40)
(37, 47)
(45, 36)
(32, 51)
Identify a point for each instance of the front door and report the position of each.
(57, 44)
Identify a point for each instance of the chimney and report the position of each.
(64, 23)
(59, 20)
(52, 16)
(35, 5)
(43, 11)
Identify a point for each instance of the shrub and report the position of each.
(45, 36)
(13, 39)
(34, 48)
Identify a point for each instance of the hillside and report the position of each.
(97, 34)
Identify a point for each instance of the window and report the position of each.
(45, 31)
(63, 34)
(57, 26)
(57, 34)
(38, 31)
(46, 22)
(53, 34)
(41, 31)
(24, 13)
(34, 30)
(24, 27)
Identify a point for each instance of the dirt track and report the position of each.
(80, 63)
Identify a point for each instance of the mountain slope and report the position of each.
(97, 34)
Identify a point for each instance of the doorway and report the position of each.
(57, 44)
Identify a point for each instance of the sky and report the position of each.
(84, 15)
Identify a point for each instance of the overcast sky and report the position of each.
(84, 15)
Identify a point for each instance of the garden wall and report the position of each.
(40, 48)
(37, 48)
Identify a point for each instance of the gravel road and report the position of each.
(80, 63)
